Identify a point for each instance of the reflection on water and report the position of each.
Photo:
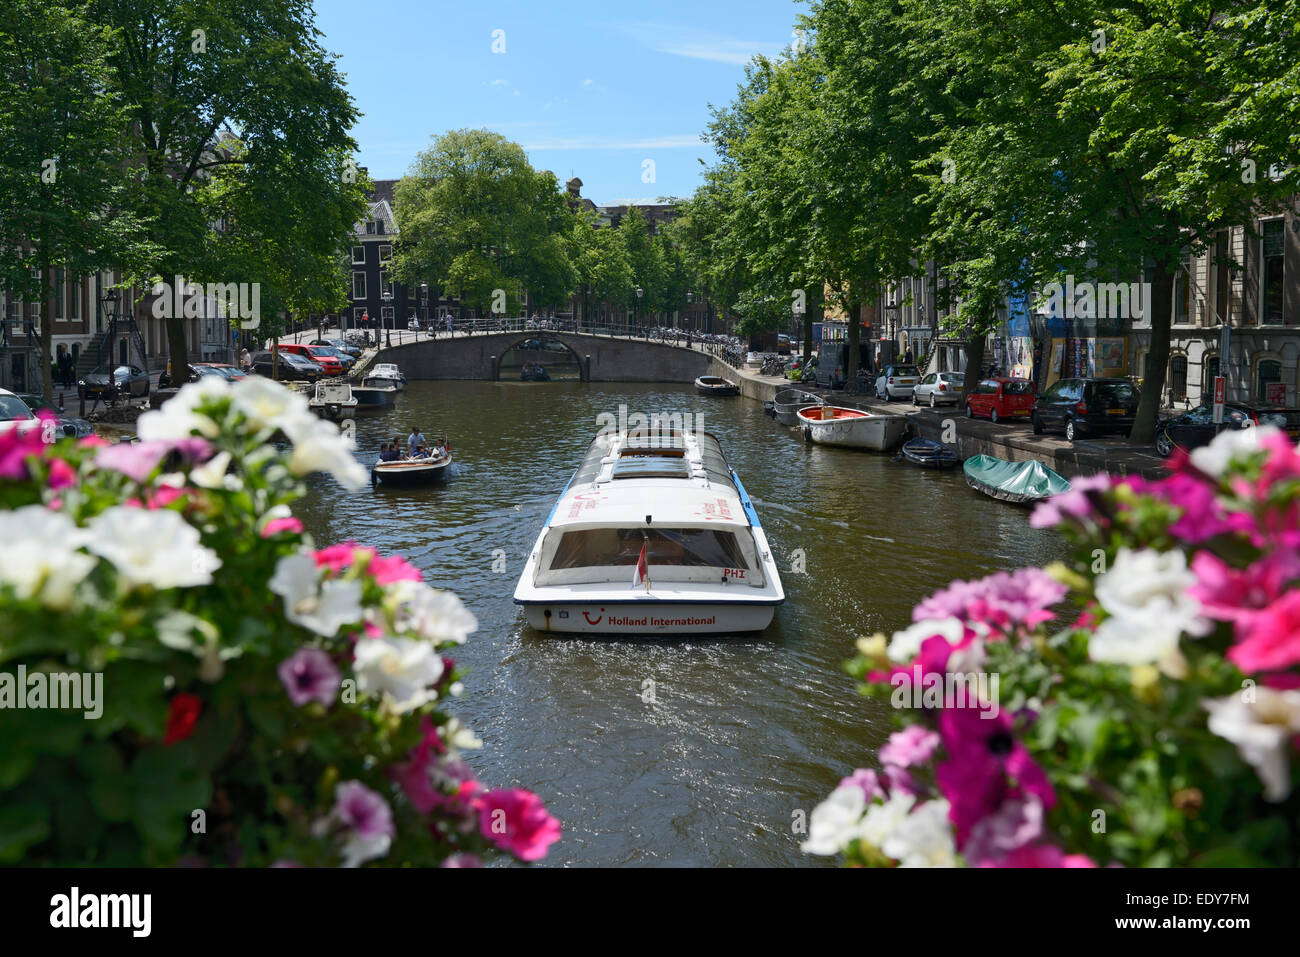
(742, 731)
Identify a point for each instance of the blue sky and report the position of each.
(589, 88)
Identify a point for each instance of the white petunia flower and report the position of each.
(212, 473)
(1138, 641)
(319, 446)
(835, 822)
(906, 644)
(1230, 444)
(883, 820)
(320, 606)
(1145, 594)
(177, 419)
(359, 848)
(400, 668)
(1261, 729)
(432, 613)
(923, 838)
(155, 548)
(267, 404)
(458, 737)
(39, 557)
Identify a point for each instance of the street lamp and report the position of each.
(424, 298)
(388, 298)
(639, 293)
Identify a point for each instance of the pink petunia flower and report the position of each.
(61, 474)
(1272, 637)
(392, 569)
(1072, 504)
(869, 781)
(277, 525)
(516, 821)
(1004, 599)
(17, 445)
(1229, 594)
(913, 745)
(136, 460)
(335, 558)
(1040, 855)
(413, 775)
(310, 675)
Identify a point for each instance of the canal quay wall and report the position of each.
(969, 437)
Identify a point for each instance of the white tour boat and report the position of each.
(852, 428)
(385, 374)
(653, 535)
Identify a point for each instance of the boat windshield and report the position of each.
(691, 547)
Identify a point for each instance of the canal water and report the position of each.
(742, 732)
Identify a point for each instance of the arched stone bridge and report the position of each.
(600, 358)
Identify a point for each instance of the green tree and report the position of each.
(479, 221)
(61, 157)
(601, 268)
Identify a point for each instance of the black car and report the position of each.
(1086, 407)
(1195, 428)
(68, 425)
(292, 366)
(130, 380)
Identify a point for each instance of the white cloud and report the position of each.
(696, 44)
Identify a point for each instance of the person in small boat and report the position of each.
(414, 441)
(390, 453)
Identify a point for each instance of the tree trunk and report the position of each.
(854, 335)
(974, 361)
(1153, 382)
(812, 312)
(178, 355)
(47, 340)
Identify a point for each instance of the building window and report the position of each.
(385, 253)
(1183, 293)
(385, 284)
(1178, 378)
(74, 300)
(358, 255)
(1211, 368)
(1222, 278)
(1274, 249)
(358, 285)
(370, 227)
(60, 294)
(1267, 372)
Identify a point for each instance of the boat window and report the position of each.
(597, 547)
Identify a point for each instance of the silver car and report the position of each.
(897, 382)
(939, 388)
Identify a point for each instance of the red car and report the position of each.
(316, 354)
(999, 399)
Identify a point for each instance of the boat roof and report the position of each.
(679, 479)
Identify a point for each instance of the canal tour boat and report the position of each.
(654, 535)
(852, 428)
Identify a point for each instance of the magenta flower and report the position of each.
(61, 474)
(1272, 637)
(277, 525)
(986, 766)
(516, 821)
(309, 675)
(366, 813)
(913, 745)
(17, 445)
(1072, 504)
(1021, 597)
(413, 775)
(1040, 855)
(1230, 594)
(1015, 824)
(335, 558)
(137, 460)
(393, 569)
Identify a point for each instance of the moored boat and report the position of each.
(374, 396)
(716, 385)
(852, 428)
(787, 403)
(1020, 482)
(654, 535)
(929, 454)
(385, 373)
(333, 400)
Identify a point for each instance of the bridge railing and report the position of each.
(712, 345)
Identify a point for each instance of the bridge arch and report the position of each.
(543, 338)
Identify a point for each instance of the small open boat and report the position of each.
(852, 428)
(787, 403)
(1020, 482)
(385, 373)
(929, 454)
(333, 400)
(406, 473)
(371, 397)
(716, 385)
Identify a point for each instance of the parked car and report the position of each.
(342, 345)
(68, 425)
(1195, 428)
(15, 414)
(1001, 398)
(897, 382)
(224, 369)
(939, 388)
(319, 352)
(316, 354)
(130, 380)
(1086, 407)
(292, 366)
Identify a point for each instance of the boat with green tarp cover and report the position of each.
(1019, 482)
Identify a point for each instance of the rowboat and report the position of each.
(787, 403)
(852, 428)
(374, 396)
(333, 400)
(405, 473)
(929, 454)
(654, 535)
(385, 373)
(1020, 482)
(716, 385)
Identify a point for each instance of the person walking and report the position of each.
(245, 360)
